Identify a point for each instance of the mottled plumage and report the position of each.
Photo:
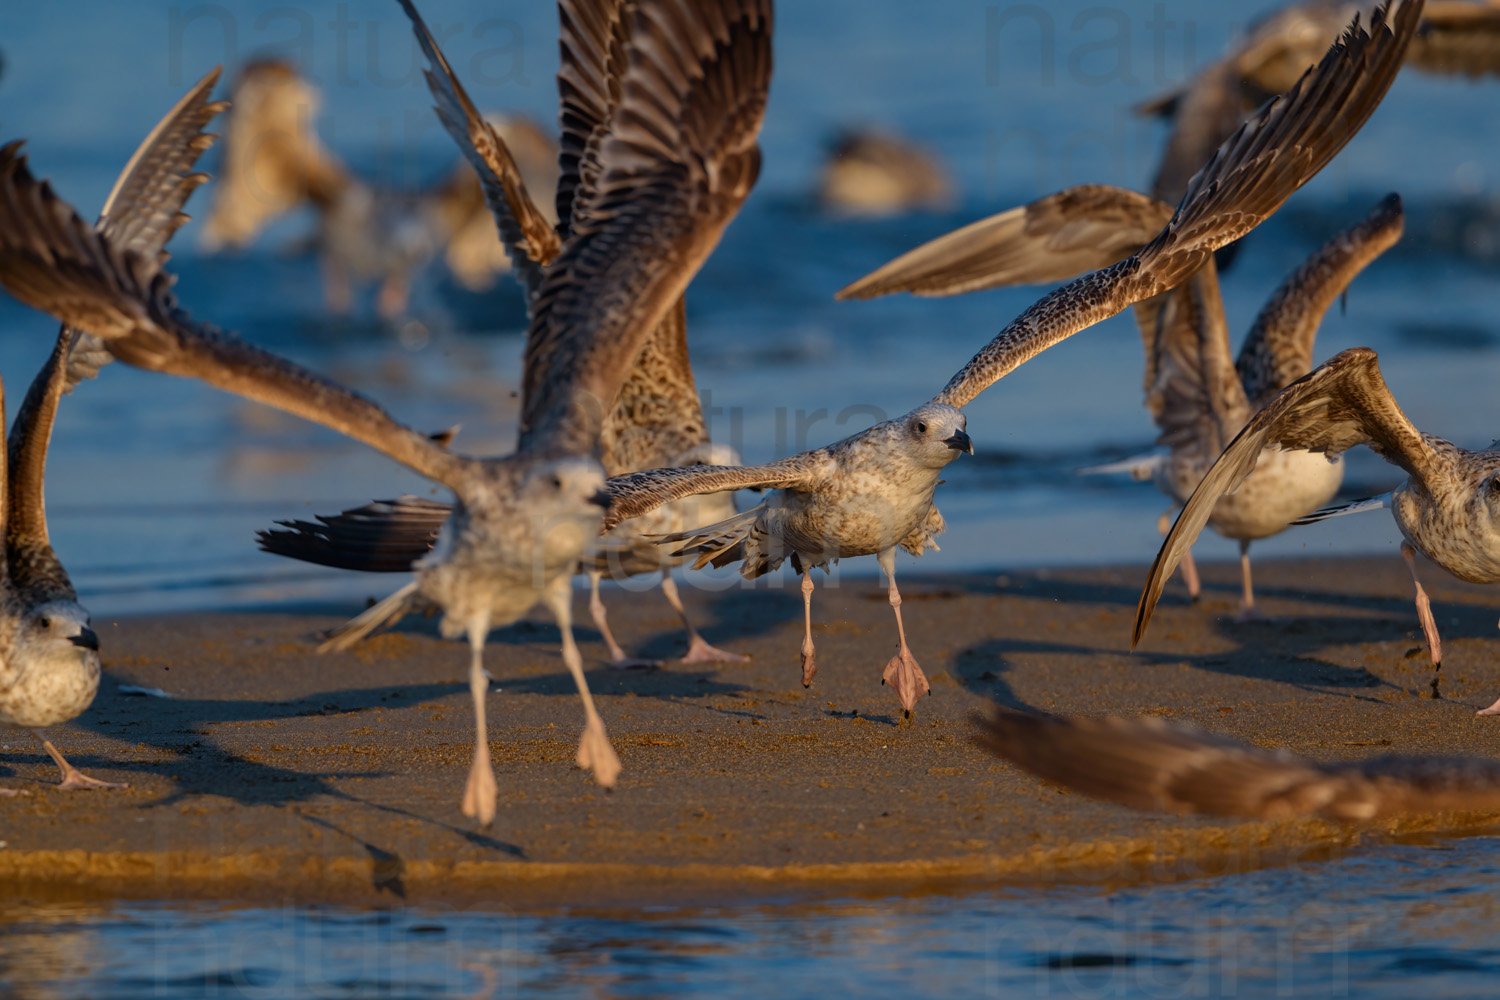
(1151, 764)
(1448, 508)
(1455, 37)
(677, 160)
(869, 492)
(49, 657)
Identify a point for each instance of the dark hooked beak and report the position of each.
(960, 442)
(600, 499)
(88, 639)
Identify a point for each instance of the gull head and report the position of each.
(57, 633)
(936, 434)
(565, 501)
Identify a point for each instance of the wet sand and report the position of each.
(277, 773)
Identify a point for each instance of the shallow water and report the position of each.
(157, 487)
(1394, 922)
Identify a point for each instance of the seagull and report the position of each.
(1448, 508)
(657, 421)
(1198, 393)
(1455, 37)
(49, 656)
(1154, 765)
(671, 156)
(873, 172)
(272, 163)
(872, 492)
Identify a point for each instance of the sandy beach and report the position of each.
(276, 772)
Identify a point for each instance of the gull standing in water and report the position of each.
(665, 171)
(1198, 393)
(1448, 508)
(1455, 37)
(1151, 764)
(657, 420)
(49, 656)
(873, 491)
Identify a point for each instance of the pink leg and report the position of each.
(1492, 710)
(480, 790)
(809, 655)
(617, 657)
(1247, 589)
(901, 671)
(72, 778)
(1424, 615)
(699, 651)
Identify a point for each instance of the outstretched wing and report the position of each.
(1279, 349)
(530, 241)
(54, 261)
(385, 536)
(1257, 169)
(679, 158)
(1147, 763)
(1054, 238)
(1192, 389)
(594, 34)
(1341, 403)
(642, 492)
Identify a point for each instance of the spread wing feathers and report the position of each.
(529, 238)
(387, 612)
(594, 34)
(54, 261)
(1054, 238)
(679, 158)
(1268, 158)
(1341, 403)
(642, 492)
(1203, 114)
(1351, 507)
(35, 569)
(1279, 348)
(1458, 37)
(1192, 389)
(385, 536)
(144, 210)
(1147, 763)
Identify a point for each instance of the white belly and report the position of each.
(1284, 485)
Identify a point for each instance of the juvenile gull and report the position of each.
(673, 159)
(1455, 37)
(49, 656)
(1151, 764)
(1448, 508)
(873, 491)
(657, 420)
(272, 163)
(1199, 395)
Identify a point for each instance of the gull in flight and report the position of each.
(657, 420)
(1448, 508)
(665, 171)
(1198, 393)
(873, 491)
(1151, 764)
(49, 656)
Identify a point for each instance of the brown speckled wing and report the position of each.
(642, 492)
(1273, 154)
(54, 261)
(1054, 238)
(593, 38)
(530, 241)
(385, 536)
(1192, 389)
(679, 159)
(657, 417)
(1279, 348)
(1341, 403)
(1204, 114)
(1151, 764)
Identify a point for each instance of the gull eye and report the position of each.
(45, 622)
(921, 427)
(557, 482)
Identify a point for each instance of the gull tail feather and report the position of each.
(1140, 467)
(1339, 510)
(386, 612)
(720, 543)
